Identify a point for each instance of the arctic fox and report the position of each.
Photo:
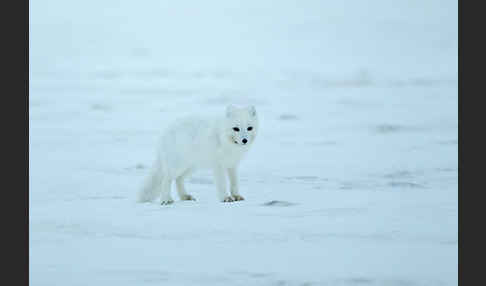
(197, 142)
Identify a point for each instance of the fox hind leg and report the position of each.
(151, 188)
(181, 190)
(165, 197)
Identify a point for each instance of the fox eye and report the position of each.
(236, 129)
(249, 128)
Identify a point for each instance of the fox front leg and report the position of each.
(220, 180)
(234, 187)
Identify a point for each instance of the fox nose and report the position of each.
(244, 141)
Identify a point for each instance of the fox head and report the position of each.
(241, 125)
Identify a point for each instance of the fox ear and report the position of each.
(230, 109)
(252, 110)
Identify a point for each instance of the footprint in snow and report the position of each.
(278, 204)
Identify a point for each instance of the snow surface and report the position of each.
(352, 179)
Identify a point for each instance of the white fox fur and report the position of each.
(197, 142)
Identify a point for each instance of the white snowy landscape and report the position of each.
(352, 180)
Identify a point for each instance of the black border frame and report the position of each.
(14, 23)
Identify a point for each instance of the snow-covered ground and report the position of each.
(357, 143)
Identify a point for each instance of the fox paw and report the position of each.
(187, 198)
(167, 202)
(228, 199)
(238, 198)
